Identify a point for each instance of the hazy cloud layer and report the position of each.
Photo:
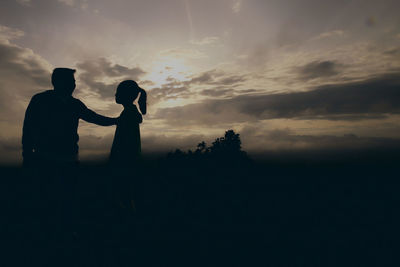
(217, 92)
(167, 91)
(211, 79)
(287, 140)
(209, 40)
(7, 33)
(184, 53)
(395, 51)
(364, 99)
(216, 77)
(253, 139)
(102, 76)
(23, 73)
(10, 150)
(254, 142)
(318, 69)
(152, 143)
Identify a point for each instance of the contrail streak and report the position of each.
(189, 17)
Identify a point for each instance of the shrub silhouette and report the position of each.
(228, 144)
(223, 148)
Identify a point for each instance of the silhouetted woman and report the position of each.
(126, 148)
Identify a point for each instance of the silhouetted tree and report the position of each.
(177, 154)
(202, 148)
(229, 144)
(227, 147)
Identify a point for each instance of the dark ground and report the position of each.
(316, 210)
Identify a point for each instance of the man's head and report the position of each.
(63, 80)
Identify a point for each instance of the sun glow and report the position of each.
(168, 69)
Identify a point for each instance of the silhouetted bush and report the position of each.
(226, 148)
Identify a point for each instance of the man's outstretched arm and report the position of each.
(92, 117)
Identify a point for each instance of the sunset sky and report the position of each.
(286, 75)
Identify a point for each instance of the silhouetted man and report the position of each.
(50, 131)
(50, 143)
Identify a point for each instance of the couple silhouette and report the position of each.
(50, 130)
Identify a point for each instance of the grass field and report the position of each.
(324, 210)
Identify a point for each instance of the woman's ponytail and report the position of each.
(142, 101)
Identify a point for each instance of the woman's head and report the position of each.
(128, 91)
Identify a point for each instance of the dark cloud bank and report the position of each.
(372, 98)
(318, 69)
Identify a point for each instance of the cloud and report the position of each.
(91, 145)
(370, 21)
(318, 69)
(217, 92)
(23, 73)
(373, 98)
(103, 66)
(237, 5)
(72, 3)
(185, 53)
(163, 143)
(209, 40)
(67, 2)
(167, 91)
(215, 77)
(205, 77)
(103, 77)
(330, 34)
(7, 34)
(230, 80)
(24, 2)
(256, 56)
(10, 150)
(257, 141)
(246, 91)
(392, 51)
(174, 89)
